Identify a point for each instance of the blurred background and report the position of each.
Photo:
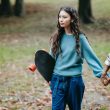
(26, 26)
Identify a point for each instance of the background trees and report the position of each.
(7, 10)
(85, 11)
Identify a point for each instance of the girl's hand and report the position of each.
(103, 75)
(105, 80)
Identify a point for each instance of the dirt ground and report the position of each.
(22, 90)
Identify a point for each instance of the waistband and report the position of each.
(63, 78)
(78, 75)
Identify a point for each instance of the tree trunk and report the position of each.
(5, 8)
(19, 8)
(85, 11)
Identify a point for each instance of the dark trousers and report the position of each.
(67, 90)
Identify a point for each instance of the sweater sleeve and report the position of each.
(90, 57)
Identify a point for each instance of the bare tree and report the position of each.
(85, 11)
(5, 8)
(19, 8)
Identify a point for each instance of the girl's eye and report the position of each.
(62, 17)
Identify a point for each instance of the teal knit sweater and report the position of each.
(69, 63)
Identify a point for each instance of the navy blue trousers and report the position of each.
(67, 90)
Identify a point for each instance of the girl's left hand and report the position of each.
(105, 80)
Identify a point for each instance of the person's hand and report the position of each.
(109, 80)
(32, 67)
(104, 79)
(103, 75)
(50, 92)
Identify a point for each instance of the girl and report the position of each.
(69, 48)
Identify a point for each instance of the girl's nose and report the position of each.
(61, 20)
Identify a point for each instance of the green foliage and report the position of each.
(103, 108)
(45, 1)
(8, 53)
(101, 9)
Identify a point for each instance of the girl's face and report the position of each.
(64, 19)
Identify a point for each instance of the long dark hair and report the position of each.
(57, 36)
